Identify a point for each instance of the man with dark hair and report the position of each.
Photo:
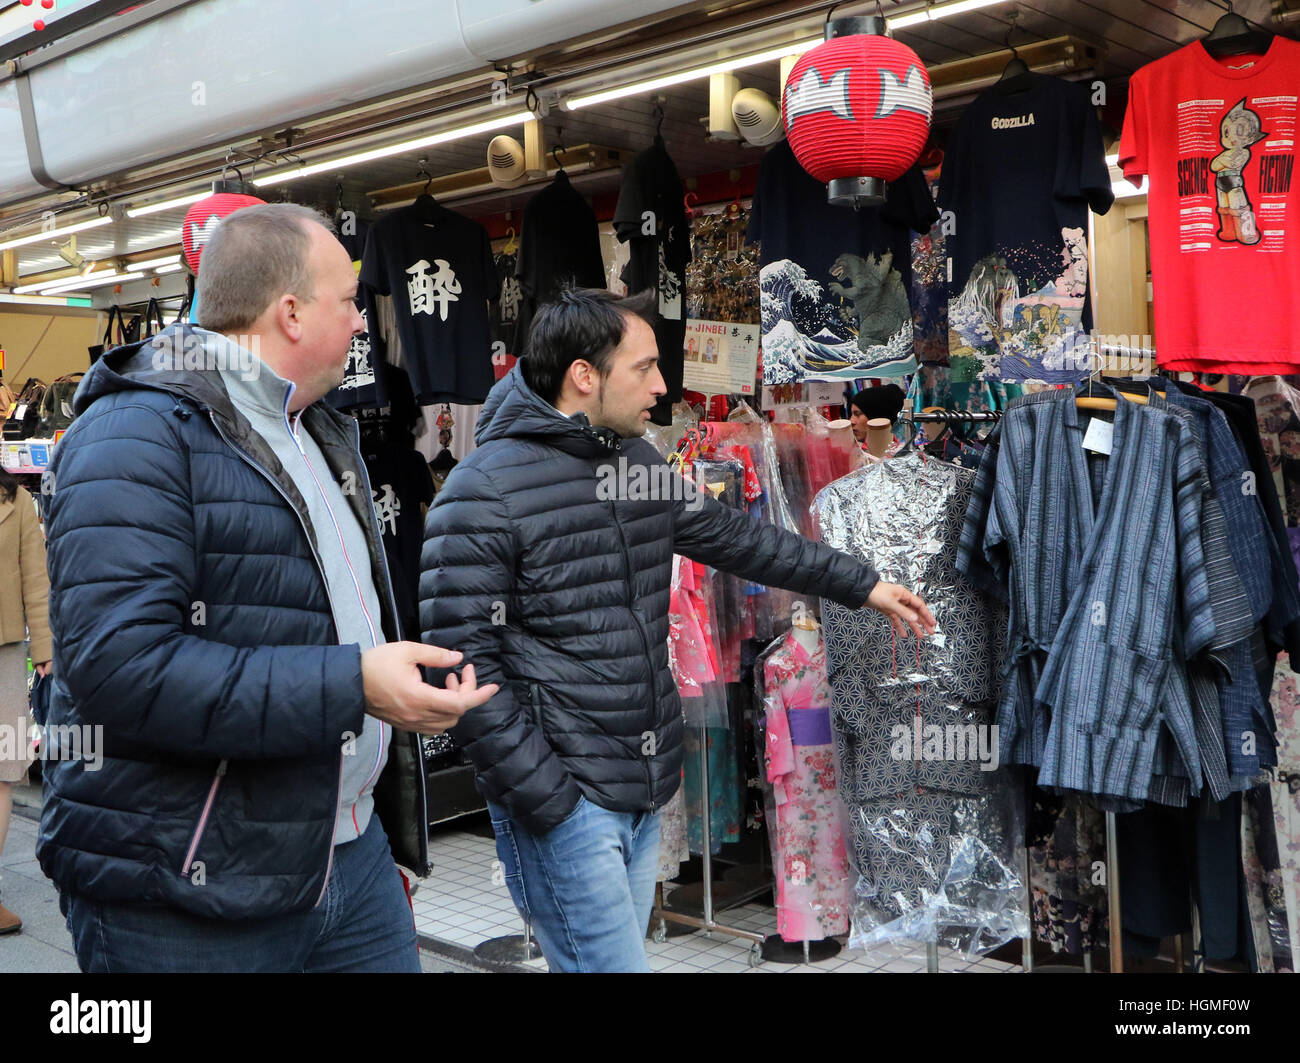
(547, 562)
(222, 616)
(884, 402)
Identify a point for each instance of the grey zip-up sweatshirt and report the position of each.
(263, 397)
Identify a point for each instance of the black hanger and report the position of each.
(556, 152)
(658, 114)
(1233, 35)
(1016, 74)
(425, 205)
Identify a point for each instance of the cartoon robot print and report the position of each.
(1240, 128)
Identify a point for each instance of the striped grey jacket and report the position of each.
(1104, 568)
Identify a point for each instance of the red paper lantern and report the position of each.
(857, 110)
(204, 216)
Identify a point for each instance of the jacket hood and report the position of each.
(513, 410)
(161, 364)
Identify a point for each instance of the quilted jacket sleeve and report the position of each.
(713, 534)
(467, 569)
(124, 587)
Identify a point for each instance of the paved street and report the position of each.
(44, 945)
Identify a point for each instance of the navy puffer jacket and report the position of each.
(191, 623)
(557, 587)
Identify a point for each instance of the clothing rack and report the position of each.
(704, 437)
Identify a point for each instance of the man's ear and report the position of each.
(287, 317)
(581, 376)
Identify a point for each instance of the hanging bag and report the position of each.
(97, 351)
(153, 316)
(22, 419)
(56, 406)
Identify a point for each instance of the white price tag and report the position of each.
(1100, 436)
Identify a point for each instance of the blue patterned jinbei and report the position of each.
(1106, 572)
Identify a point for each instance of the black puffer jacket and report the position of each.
(560, 594)
(222, 727)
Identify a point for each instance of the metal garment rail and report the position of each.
(708, 924)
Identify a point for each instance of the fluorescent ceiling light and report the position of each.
(722, 66)
(738, 62)
(61, 281)
(1124, 190)
(929, 14)
(84, 284)
(165, 260)
(167, 204)
(280, 176)
(65, 230)
(169, 269)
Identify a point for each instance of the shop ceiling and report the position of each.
(1119, 35)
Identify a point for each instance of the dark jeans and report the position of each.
(362, 924)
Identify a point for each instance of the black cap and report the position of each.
(885, 401)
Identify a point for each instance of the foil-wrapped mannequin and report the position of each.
(935, 825)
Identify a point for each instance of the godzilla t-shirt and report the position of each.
(1216, 137)
(437, 266)
(1020, 170)
(834, 282)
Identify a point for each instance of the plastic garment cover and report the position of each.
(693, 649)
(805, 816)
(936, 829)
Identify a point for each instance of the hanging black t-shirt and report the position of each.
(363, 381)
(835, 282)
(651, 219)
(558, 248)
(437, 266)
(504, 314)
(1020, 170)
(401, 482)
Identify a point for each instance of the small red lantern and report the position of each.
(857, 110)
(204, 216)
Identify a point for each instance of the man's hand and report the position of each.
(904, 609)
(44, 668)
(397, 693)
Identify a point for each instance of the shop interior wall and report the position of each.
(47, 345)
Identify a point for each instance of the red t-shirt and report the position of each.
(1216, 137)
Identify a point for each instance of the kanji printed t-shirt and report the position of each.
(651, 218)
(1020, 170)
(363, 379)
(437, 266)
(834, 282)
(505, 314)
(1216, 138)
(400, 483)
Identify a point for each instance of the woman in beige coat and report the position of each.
(24, 608)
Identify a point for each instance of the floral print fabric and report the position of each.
(807, 824)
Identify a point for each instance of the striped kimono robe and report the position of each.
(1102, 563)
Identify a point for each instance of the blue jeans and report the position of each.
(586, 887)
(362, 924)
